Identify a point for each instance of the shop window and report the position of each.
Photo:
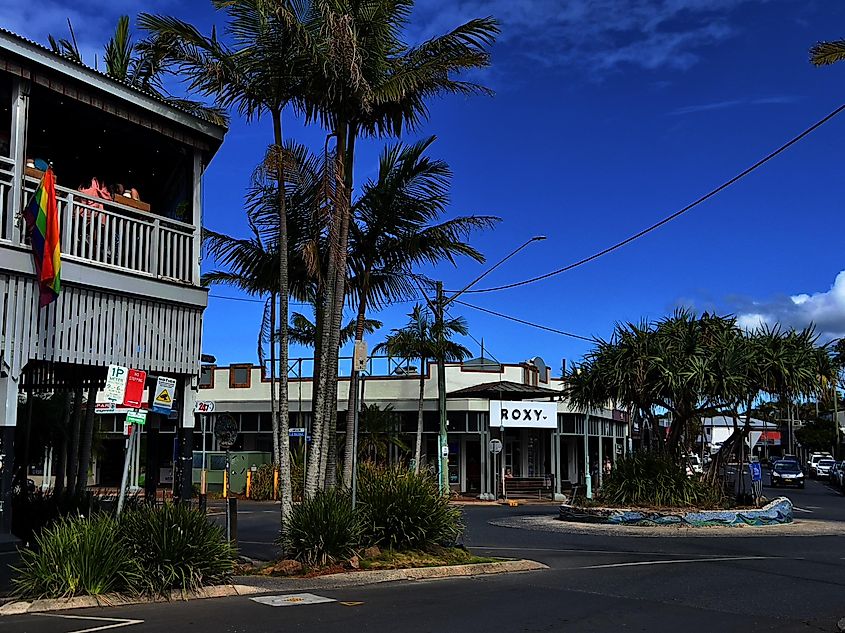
(207, 377)
(239, 376)
(249, 422)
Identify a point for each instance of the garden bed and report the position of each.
(777, 512)
(370, 560)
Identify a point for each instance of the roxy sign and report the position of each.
(516, 414)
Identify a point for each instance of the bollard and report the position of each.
(275, 484)
(202, 500)
(226, 484)
(248, 484)
(232, 520)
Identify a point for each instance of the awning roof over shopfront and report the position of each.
(504, 390)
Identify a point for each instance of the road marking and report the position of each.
(673, 562)
(257, 542)
(351, 604)
(292, 600)
(116, 622)
(796, 508)
(583, 551)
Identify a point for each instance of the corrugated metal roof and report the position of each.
(502, 388)
(40, 54)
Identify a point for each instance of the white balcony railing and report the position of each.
(111, 234)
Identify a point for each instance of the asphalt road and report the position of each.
(595, 583)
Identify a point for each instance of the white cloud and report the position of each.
(597, 35)
(733, 103)
(825, 309)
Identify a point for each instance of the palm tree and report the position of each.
(421, 339)
(373, 85)
(378, 433)
(303, 331)
(393, 232)
(130, 63)
(826, 53)
(261, 73)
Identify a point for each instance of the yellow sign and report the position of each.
(164, 397)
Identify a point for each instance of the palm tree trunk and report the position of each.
(418, 446)
(284, 404)
(352, 400)
(326, 382)
(86, 440)
(274, 411)
(73, 446)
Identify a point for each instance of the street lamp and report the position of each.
(440, 303)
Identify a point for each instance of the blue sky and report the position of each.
(608, 116)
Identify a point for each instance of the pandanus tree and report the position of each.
(421, 339)
(396, 228)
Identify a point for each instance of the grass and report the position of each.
(414, 558)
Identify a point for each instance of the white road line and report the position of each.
(582, 551)
(796, 508)
(673, 562)
(116, 622)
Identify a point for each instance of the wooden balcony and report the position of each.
(111, 235)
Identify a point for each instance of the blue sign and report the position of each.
(756, 471)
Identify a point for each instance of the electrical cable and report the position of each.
(524, 322)
(669, 218)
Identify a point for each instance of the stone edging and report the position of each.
(777, 512)
(120, 600)
(263, 585)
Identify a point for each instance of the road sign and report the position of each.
(204, 406)
(164, 393)
(136, 417)
(116, 383)
(297, 431)
(359, 358)
(495, 446)
(134, 392)
(756, 471)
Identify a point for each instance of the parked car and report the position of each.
(786, 472)
(837, 474)
(694, 465)
(823, 467)
(815, 458)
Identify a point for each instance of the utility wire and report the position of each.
(536, 325)
(677, 214)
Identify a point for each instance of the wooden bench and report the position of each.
(528, 487)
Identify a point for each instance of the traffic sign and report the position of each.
(136, 417)
(756, 471)
(116, 383)
(296, 431)
(164, 393)
(134, 392)
(495, 446)
(204, 406)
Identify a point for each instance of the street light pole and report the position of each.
(439, 305)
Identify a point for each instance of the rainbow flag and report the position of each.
(42, 222)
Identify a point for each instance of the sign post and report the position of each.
(226, 432)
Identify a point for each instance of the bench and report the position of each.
(528, 487)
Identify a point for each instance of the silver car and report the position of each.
(823, 467)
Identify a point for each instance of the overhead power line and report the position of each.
(677, 214)
(524, 322)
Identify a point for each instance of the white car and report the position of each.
(815, 458)
(823, 467)
(694, 466)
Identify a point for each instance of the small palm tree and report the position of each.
(421, 339)
(378, 432)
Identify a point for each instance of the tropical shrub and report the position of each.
(262, 483)
(77, 556)
(323, 529)
(649, 479)
(403, 510)
(177, 547)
